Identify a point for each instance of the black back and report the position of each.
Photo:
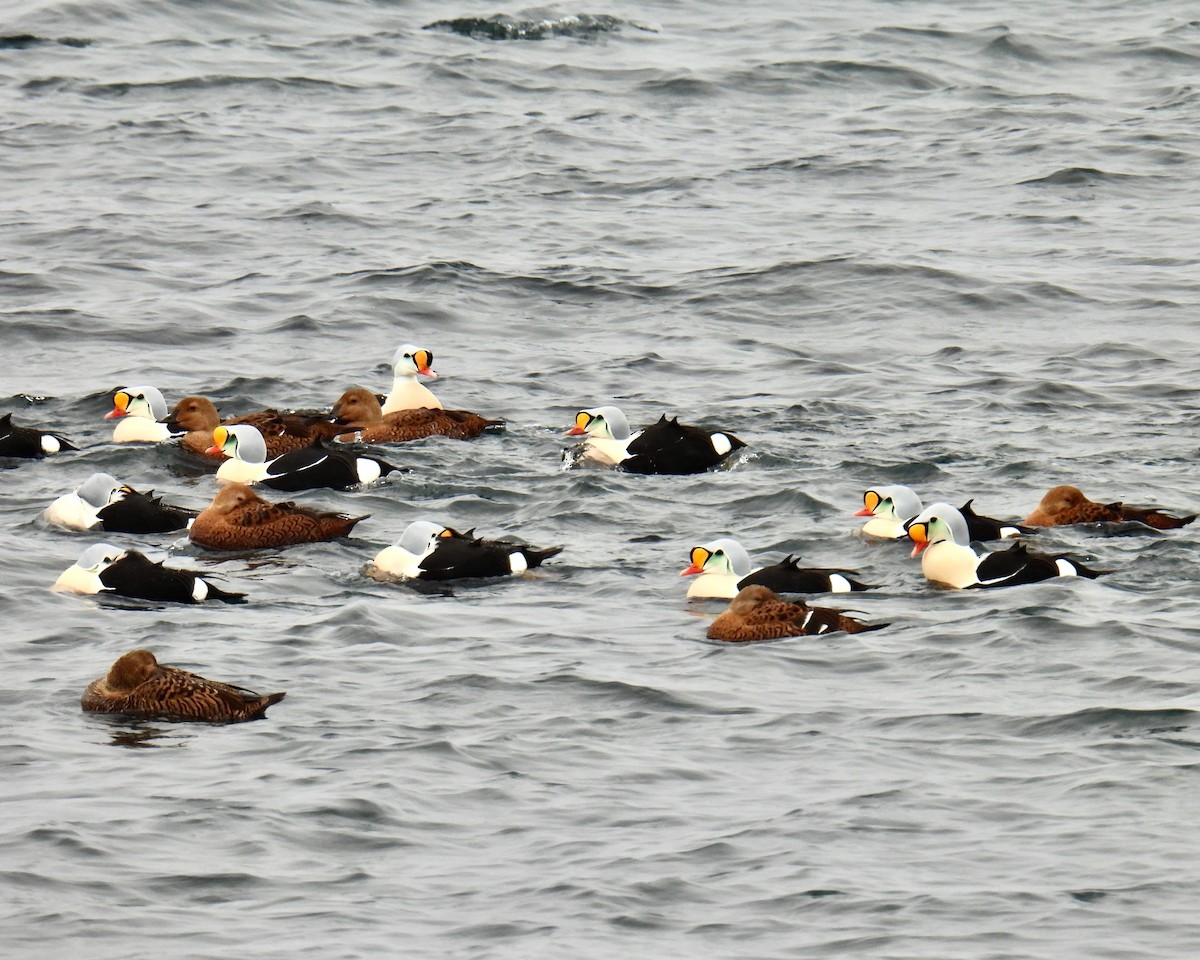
(26, 442)
(987, 528)
(317, 466)
(136, 575)
(143, 513)
(787, 576)
(669, 447)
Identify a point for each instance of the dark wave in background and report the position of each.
(950, 248)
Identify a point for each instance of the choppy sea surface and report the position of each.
(955, 246)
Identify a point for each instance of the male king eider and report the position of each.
(407, 392)
(942, 541)
(141, 409)
(724, 568)
(431, 551)
(105, 503)
(891, 507)
(664, 447)
(138, 685)
(29, 443)
(103, 568)
(308, 468)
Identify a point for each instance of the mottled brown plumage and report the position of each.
(239, 519)
(1066, 504)
(283, 432)
(757, 613)
(359, 410)
(139, 686)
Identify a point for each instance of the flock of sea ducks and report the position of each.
(292, 451)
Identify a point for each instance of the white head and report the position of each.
(99, 490)
(723, 556)
(606, 423)
(411, 360)
(939, 523)
(420, 537)
(98, 557)
(892, 503)
(138, 402)
(241, 441)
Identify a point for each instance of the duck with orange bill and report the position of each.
(890, 507)
(407, 392)
(663, 447)
(141, 411)
(308, 468)
(722, 567)
(941, 539)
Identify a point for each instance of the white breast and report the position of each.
(605, 451)
(234, 470)
(724, 585)
(408, 394)
(397, 562)
(73, 512)
(140, 430)
(77, 580)
(950, 564)
(884, 527)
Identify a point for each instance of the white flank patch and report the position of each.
(1065, 568)
(368, 470)
(838, 583)
(199, 590)
(721, 443)
(49, 444)
(516, 562)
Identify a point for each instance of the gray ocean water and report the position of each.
(949, 245)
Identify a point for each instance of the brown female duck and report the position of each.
(1066, 504)
(239, 519)
(360, 412)
(283, 432)
(138, 685)
(757, 613)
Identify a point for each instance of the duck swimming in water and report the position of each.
(1067, 505)
(942, 541)
(138, 685)
(756, 613)
(663, 447)
(724, 568)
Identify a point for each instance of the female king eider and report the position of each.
(430, 551)
(664, 447)
(942, 541)
(103, 568)
(756, 613)
(103, 502)
(724, 568)
(138, 685)
(308, 468)
(1067, 505)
